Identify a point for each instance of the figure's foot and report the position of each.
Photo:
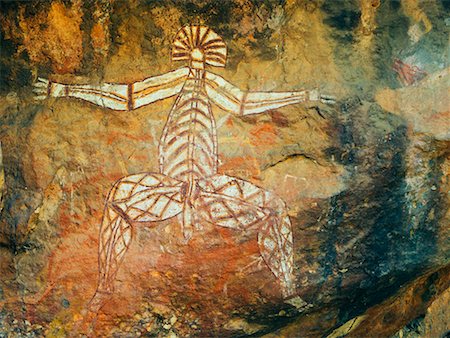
(316, 95)
(86, 323)
(298, 303)
(288, 290)
(187, 234)
(98, 300)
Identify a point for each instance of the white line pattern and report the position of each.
(188, 184)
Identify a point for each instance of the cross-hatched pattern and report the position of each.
(276, 245)
(115, 238)
(188, 184)
(147, 197)
(230, 202)
(234, 203)
(142, 197)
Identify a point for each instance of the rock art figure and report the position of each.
(408, 74)
(188, 184)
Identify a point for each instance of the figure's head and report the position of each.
(199, 45)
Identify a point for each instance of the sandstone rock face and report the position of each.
(365, 180)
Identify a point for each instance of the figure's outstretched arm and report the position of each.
(234, 100)
(117, 96)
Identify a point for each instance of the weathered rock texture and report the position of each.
(366, 181)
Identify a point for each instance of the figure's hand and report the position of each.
(44, 88)
(41, 88)
(327, 99)
(315, 95)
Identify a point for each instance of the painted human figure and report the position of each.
(188, 184)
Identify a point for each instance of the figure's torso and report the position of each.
(188, 146)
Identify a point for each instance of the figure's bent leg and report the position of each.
(114, 240)
(234, 203)
(276, 245)
(136, 198)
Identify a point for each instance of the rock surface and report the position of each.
(366, 180)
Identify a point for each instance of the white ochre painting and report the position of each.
(187, 184)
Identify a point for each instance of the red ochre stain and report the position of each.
(263, 134)
(242, 166)
(229, 122)
(279, 118)
(443, 116)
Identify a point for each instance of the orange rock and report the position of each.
(55, 37)
(98, 36)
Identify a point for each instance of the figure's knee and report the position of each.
(275, 204)
(124, 187)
